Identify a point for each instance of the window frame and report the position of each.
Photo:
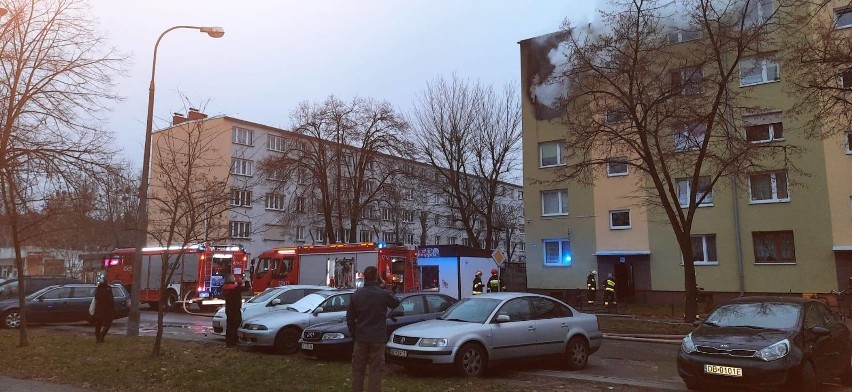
(705, 247)
(688, 80)
(763, 70)
(563, 204)
(776, 236)
(561, 243)
(240, 229)
(612, 225)
(242, 167)
(242, 136)
(773, 185)
(688, 182)
(771, 131)
(844, 78)
(686, 139)
(300, 233)
(560, 154)
(848, 138)
(276, 143)
(240, 198)
(275, 202)
(617, 160)
(681, 36)
(847, 12)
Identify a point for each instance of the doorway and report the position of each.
(623, 274)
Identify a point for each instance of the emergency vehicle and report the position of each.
(198, 277)
(336, 265)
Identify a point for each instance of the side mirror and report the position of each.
(503, 318)
(318, 311)
(820, 331)
(395, 314)
(275, 302)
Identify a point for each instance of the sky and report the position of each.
(276, 54)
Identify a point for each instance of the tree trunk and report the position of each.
(690, 287)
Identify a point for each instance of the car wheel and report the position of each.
(11, 319)
(287, 340)
(471, 360)
(807, 379)
(218, 329)
(576, 353)
(171, 301)
(154, 305)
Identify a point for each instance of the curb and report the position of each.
(661, 339)
(610, 380)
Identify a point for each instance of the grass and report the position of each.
(124, 364)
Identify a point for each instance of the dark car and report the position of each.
(33, 283)
(767, 343)
(65, 303)
(331, 340)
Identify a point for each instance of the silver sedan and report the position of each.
(483, 329)
(271, 299)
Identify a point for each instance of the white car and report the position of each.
(482, 329)
(281, 330)
(271, 299)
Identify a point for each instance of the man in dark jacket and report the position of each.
(233, 300)
(104, 311)
(366, 320)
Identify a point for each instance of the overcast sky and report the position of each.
(276, 54)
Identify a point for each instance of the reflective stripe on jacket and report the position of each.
(610, 284)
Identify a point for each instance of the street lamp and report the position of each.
(142, 211)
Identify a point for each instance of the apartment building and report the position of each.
(270, 210)
(785, 232)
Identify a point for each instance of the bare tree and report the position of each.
(55, 77)
(470, 134)
(340, 157)
(668, 111)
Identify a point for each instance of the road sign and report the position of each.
(498, 257)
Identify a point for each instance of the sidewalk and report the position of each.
(17, 385)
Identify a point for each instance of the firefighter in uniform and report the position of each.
(591, 287)
(494, 285)
(609, 291)
(477, 283)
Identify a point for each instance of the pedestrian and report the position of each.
(248, 278)
(233, 300)
(477, 283)
(591, 287)
(609, 291)
(104, 310)
(366, 319)
(494, 284)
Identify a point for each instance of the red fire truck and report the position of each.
(198, 277)
(336, 265)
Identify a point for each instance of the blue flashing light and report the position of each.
(567, 259)
(381, 245)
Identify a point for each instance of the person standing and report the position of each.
(367, 325)
(609, 293)
(104, 310)
(494, 284)
(591, 287)
(233, 300)
(477, 283)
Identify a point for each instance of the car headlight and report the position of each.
(332, 336)
(255, 327)
(687, 345)
(433, 342)
(774, 351)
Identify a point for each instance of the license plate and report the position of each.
(723, 370)
(307, 346)
(398, 353)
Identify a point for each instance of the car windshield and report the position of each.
(309, 302)
(266, 295)
(473, 310)
(763, 315)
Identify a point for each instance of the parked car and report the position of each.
(271, 299)
(334, 340)
(65, 303)
(480, 330)
(769, 343)
(9, 288)
(281, 330)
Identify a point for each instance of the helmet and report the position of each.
(594, 272)
(478, 272)
(494, 271)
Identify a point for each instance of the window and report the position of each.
(276, 143)
(683, 36)
(843, 18)
(844, 79)
(774, 247)
(617, 167)
(318, 206)
(408, 193)
(704, 249)
(320, 234)
(758, 70)
(769, 187)
(466, 241)
(619, 220)
(554, 202)
(407, 216)
(240, 229)
(688, 81)
(684, 188)
(242, 167)
(451, 241)
(409, 238)
(277, 175)
(690, 136)
(437, 240)
(848, 137)
(274, 202)
(386, 214)
(437, 220)
(242, 136)
(240, 198)
(613, 116)
(764, 132)
(557, 252)
(758, 13)
(389, 236)
(300, 204)
(520, 194)
(522, 246)
(365, 236)
(300, 233)
(551, 154)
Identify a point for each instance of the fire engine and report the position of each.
(337, 265)
(198, 278)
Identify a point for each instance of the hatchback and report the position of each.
(480, 330)
(9, 287)
(767, 343)
(65, 303)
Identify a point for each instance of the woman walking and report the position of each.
(104, 310)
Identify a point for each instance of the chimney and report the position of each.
(178, 119)
(194, 114)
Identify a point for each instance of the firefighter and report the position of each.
(494, 284)
(609, 291)
(477, 283)
(591, 287)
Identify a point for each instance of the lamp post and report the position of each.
(142, 211)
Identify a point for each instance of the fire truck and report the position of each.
(337, 265)
(198, 278)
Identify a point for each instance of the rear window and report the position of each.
(772, 315)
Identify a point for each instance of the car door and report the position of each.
(413, 310)
(552, 323)
(836, 352)
(78, 304)
(516, 337)
(50, 307)
(333, 309)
